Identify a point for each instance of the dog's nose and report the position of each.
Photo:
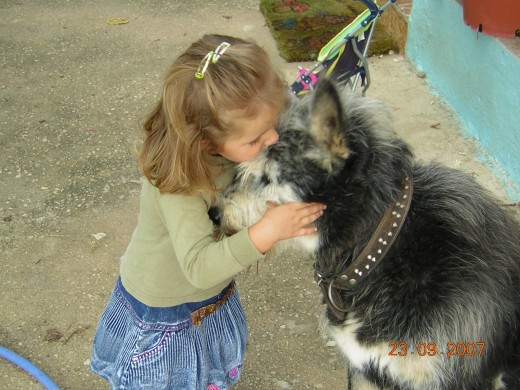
(214, 215)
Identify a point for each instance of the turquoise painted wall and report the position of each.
(476, 75)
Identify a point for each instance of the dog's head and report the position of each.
(323, 150)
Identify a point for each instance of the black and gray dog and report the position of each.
(418, 264)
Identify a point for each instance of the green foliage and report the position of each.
(302, 28)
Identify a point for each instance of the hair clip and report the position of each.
(219, 51)
(212, 56)
(203, 65)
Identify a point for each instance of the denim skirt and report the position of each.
(142, 347)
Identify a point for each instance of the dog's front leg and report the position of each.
(357, 381)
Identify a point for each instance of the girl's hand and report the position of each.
(289, 220)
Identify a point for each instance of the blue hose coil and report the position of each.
(28, 367)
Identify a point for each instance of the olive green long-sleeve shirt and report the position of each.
(173, 257)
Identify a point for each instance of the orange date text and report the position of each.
(452, 349)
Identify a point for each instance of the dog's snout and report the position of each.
(214, 215)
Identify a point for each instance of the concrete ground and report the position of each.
(73, 91)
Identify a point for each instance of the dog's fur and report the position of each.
(452, 276)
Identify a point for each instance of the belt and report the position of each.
(199, 314)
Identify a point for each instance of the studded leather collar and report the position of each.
(373, 253)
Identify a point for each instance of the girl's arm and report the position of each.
(285, 221)
(203, 261)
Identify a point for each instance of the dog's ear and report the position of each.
(326, 122)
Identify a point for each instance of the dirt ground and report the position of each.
(73, 90)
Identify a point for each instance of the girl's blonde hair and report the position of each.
(186, 122)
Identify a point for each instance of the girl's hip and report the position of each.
(189, 346)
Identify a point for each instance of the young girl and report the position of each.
(174, 319)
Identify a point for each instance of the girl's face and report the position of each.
(254, 134)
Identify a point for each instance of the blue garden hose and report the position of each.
(28, 367)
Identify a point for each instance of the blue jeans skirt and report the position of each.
(142, 347)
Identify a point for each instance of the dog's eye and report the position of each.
(265, 180)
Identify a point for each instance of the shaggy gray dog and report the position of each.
(418, 264)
